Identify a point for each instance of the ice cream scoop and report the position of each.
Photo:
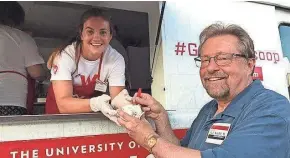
(124, 101)
(133, 110)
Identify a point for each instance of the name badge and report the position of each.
(101, 86)
(218, 133)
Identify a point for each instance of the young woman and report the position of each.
(82, 70)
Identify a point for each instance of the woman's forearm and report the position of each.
(73, 105)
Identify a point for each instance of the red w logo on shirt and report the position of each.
(88, 80)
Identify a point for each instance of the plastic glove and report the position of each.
(101, 103)
(122, 99)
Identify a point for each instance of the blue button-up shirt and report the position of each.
(259, 126)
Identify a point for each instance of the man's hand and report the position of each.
(150, 106)
(101, 103)
(138, 129)
(155, 110)
(141, 130)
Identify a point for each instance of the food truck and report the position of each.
(160, 40)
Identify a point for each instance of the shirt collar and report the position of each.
(243, 98)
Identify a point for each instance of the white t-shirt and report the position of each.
(17, 52)
(112, 68)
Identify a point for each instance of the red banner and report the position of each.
(258, 73)
(102, 146)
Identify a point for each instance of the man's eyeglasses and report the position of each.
(220, 60)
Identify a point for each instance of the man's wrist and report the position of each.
(162, 116)
(162, 123)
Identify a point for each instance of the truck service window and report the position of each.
(130, 38)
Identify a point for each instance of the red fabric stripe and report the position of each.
(15, 72)
(225, 128)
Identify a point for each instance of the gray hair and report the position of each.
(245, 45)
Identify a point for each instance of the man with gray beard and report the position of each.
(244, 120)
